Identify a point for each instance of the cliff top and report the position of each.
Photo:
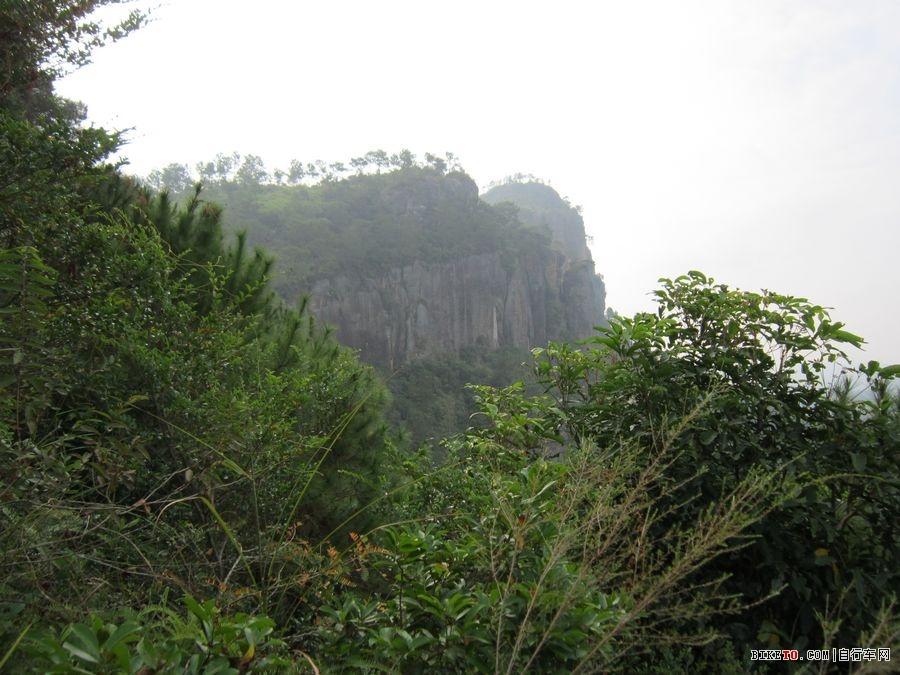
(367, 224)
(541, 206)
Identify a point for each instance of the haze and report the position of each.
(759, 143)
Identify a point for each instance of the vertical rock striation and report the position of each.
(520, 298)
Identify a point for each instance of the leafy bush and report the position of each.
(151, 389)
(504, 560)
(764, 357)
(206, 641)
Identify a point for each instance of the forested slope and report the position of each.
(411, 262)
(197, 478)
(416, 271)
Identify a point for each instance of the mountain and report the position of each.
(413, 263)
(541, 207)
(433, 283)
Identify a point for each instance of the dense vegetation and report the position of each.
(363, 224)
(197, 478)
(430, 399)
(379, 212)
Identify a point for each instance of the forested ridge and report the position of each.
(435, 285)
(366, 223)
(197, 476)
(380, 212)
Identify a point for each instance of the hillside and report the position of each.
(433, 284)
(198, 478)
(412, 263)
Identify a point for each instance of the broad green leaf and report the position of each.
(127, 631)
(890, 371)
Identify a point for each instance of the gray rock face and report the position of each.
(491, 300)
(521, 292)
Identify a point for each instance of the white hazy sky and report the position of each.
(756, 141)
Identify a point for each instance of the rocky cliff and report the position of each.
(521, 297)
(484, 300)
(414, 262)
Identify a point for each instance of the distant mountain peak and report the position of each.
(541, 206)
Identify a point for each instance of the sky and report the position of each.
(756, 141)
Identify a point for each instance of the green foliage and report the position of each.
(762, 354)
(42, 168)
(430, 399)
(116, 380)
(439, 606)
(43, 38)
(195, 234)
(504, 561)
(161, 641)
(164, 423)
